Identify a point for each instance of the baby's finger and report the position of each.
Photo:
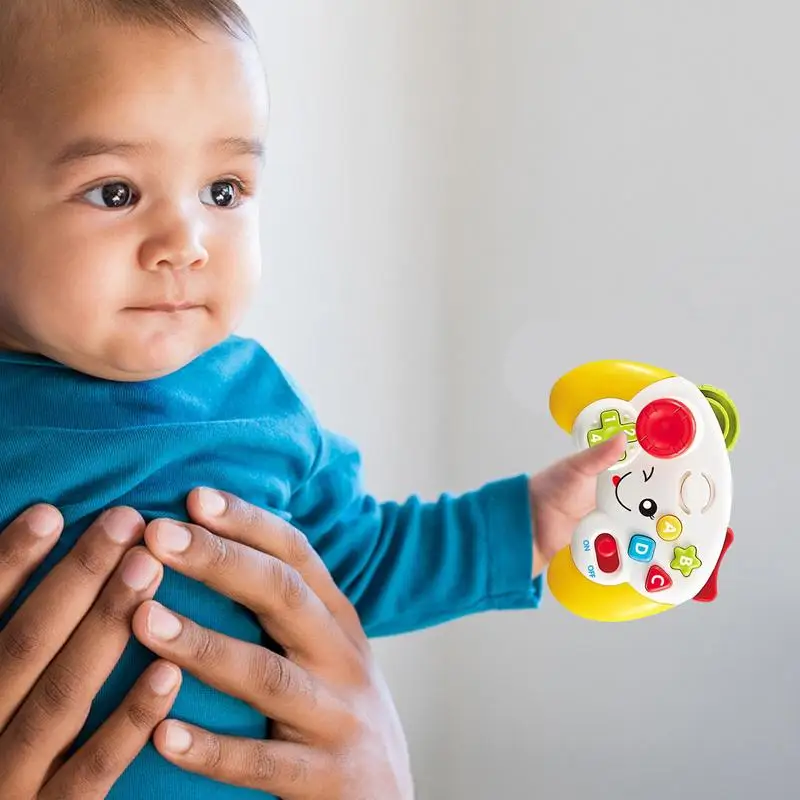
(93, 770)
(24, 544)
(594, 460)
(47, 618)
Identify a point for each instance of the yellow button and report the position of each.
(669, 528)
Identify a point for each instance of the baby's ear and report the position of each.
(725, 412)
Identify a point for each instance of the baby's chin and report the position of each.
(155, 358)
(134, 360)
(132, 369)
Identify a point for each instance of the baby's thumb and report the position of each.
(597, 459)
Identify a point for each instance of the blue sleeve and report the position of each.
(410, 565)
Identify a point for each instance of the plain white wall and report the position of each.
(629, 189)
(466, 198)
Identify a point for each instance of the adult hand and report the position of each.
(337, 735)
(60, 646)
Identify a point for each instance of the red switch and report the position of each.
(605, 548)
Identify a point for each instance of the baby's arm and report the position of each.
(407, 566)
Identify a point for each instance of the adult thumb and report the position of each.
(595, 460)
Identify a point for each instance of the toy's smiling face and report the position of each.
(645, 496)
(633, 493)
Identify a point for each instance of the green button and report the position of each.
(686, 560)
(610, 426)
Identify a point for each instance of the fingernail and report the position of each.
(212, 503)
(121, 525)
(140, 571)
(172, 537)
(162, 625)
(163, 679)
(42, 521)
(178, 739)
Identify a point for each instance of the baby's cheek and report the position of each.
(234, 292)
(74, 308)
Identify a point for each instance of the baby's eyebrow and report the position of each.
(92, 147)
(242, 146)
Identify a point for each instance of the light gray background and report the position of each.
(465, 199)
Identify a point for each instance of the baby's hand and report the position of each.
(563, 494)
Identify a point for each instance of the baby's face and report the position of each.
(129, 236)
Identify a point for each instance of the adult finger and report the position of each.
(55, 710)
(270, 683)
(231, 517)
(24, 544)
(97, 765)
(286, 606)
(47, 618)
(288, 770)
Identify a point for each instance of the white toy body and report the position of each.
(661, 523)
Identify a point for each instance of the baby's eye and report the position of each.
(112, 195)
(223, 194)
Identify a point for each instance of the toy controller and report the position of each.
(660, 528)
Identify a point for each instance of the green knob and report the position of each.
(725, 411)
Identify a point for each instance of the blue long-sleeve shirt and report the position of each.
(232, 419)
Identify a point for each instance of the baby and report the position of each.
(132, 135)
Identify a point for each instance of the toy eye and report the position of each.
(648, 508)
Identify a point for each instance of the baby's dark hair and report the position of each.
(177, 14)
(21, 19)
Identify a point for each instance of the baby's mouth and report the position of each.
(168, 308)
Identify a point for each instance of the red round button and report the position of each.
(665, 428)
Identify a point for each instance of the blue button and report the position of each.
(641, 548)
